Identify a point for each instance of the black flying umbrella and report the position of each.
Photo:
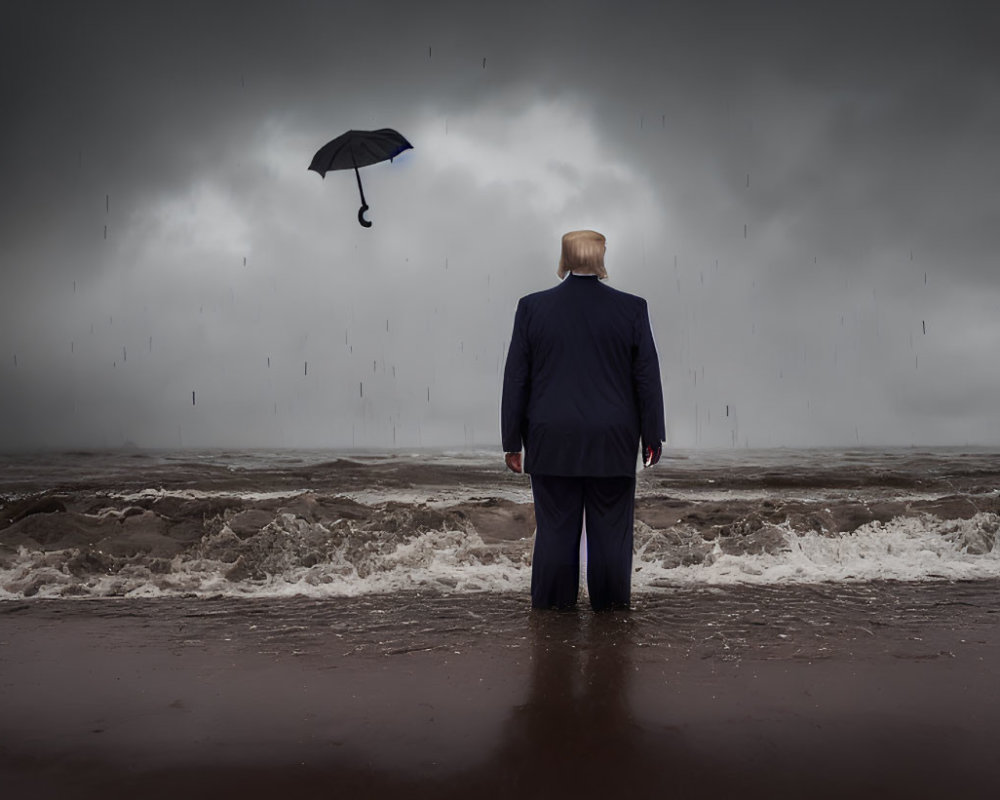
(359, 149)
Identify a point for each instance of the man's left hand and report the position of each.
(513, 461)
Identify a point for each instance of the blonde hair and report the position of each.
(583, 251)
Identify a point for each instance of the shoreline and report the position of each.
(822, 691)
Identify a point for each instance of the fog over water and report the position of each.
(804, 192)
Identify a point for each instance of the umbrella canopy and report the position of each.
(356, 149)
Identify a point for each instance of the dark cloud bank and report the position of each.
(806, 193)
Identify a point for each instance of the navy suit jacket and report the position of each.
(581, 386)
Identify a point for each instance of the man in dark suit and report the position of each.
(581, 390)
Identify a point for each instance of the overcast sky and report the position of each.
(806, 193)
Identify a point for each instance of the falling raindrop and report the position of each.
(924, 323)
(394, 430)
(124, 355)
(192, 398)
(361, 388)
(744, 230)
(306, 368)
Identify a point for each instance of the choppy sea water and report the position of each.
(321, 524)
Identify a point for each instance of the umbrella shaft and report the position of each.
(362, 191)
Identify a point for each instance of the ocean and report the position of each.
(313, 523)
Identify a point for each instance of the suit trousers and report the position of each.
(561, 504)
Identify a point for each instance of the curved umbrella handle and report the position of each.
(364, 206)
(361, 216)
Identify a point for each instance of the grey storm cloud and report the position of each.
(805, 192)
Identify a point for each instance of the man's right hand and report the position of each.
(650, 455)
(513, 461)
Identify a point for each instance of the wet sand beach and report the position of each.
(860, 690)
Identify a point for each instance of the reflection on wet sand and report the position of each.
(868, 691)
(575, 732)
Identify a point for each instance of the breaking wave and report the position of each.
(162, 542)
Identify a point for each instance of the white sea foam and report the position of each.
(905, 548)
(201, 494)
(436, 498)
(722, 495)
(436, 561)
